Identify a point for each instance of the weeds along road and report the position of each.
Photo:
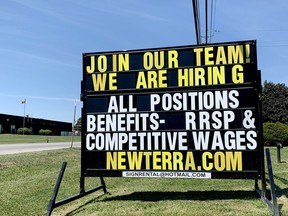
(34, 147)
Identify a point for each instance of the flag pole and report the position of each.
(24, 102)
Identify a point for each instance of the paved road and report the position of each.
(33, 147)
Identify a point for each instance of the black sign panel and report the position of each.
(178, 112)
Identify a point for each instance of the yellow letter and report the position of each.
(235, 54)
(199, 76)
(112, 81)
(141, 81)
(177, 160)
(237, 74)
(166, 160)
(135, 160)
(156, 160)
(100, 82)
(159, 59)
(91, 68)
(121, 160)
(152, 79)
(114, 62)
(247, 51)
(190, 164)
(183, 77)
(208, 55)
(162, 77)
(123, 62)
(147, 159)
(221, 56)
(111, 161)
(219, 76)
(205, 164)
(102, 63)
(148, 60)
(172, 59)
(198, 52)
(219, 161)
(234, 162)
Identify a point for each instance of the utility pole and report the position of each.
(73, 125)
(196, 12)
(196, 21)
(206, 19)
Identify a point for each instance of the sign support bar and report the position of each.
(53, 204)
(272, 205)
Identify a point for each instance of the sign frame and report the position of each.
(87, 92)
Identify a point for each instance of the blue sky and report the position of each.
(41, 42)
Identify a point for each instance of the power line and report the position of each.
(212, 19)
(196, 12)
(273, 45)
(256, 30)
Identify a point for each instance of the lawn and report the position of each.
(27, 181)
(15, 138)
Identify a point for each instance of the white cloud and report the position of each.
(22, 97)
(34, 56)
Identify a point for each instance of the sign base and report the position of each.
(53, 204)
(272, 205)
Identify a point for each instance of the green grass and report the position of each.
(27, 182)
(15, 138)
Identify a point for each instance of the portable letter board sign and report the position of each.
(176, 112)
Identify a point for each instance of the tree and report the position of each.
(274, 133)
(78, 125)
(275, 102)
(45, 132)
(24, 131)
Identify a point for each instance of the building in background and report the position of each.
(10, 123)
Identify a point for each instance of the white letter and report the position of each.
(190, 121)
(182, 140)
(215, 116)
(251, 135)
(232, 96)
(89, 145)
(228, 117)
(113, 105)
(91, 125)
(132, 141)
(154, 100)
(153, 120)
(101, 123)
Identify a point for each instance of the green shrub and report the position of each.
(25, 131)
(274, 133)
(46, 132)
